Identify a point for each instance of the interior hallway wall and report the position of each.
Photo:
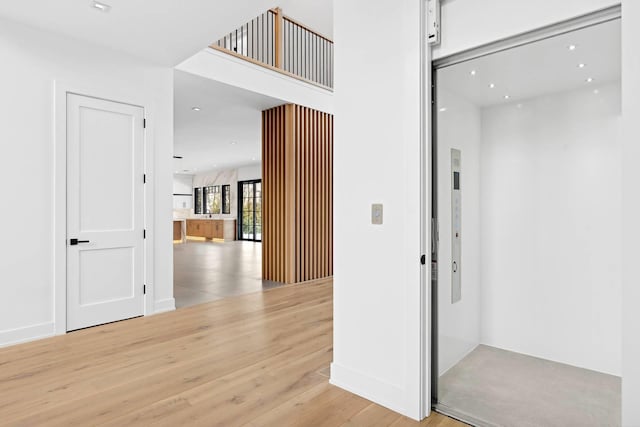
(459, 127)
(377, 276)
(550, 237)
(33, 59)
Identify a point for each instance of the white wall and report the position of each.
(32, 61)
(470, 23)
(237, 72)
(377, 143)
(630, 214)
(550, 239)
(459, 323)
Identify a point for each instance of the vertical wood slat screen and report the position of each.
(297, 174)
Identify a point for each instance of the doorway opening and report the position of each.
(250, 210)
(217, 200)
(526, 195)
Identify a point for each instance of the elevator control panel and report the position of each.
(456, 225)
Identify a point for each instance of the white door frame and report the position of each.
(59, 222)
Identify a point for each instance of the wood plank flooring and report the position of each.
(252, 360)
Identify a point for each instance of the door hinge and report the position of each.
(144, 178)
(144, 233)
(423, 259)
(144, 123)
(144, 289)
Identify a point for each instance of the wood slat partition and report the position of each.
(297, 173)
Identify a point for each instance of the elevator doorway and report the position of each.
(526, 183)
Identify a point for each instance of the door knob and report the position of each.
(74, 242)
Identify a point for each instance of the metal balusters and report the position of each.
(276, 40)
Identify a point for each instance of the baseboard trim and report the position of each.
(26, 334)
(165, 305)
(384, 394)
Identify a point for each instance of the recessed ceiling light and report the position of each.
(233, 143)
(596, 91)
(473, 72)
(443, 109)
(589, 80)
(581, 65)
(100, 6)
(196, 108)
(507, 97)
(491, 85)
(572, 47)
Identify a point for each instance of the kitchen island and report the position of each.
(223, 230)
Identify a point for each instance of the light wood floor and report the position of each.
(252, 360)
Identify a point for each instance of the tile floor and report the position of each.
(496, 387)
(208, 271)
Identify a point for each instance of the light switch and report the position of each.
(376, 213)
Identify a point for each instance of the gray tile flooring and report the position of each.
(501, 388)
(208, 271)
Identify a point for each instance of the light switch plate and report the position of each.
(376, 214)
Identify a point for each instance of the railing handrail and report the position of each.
(282, 44)
(311, 30)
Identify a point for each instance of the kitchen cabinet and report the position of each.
(177, 230)
(219, 229)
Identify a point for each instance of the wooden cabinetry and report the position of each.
(177, 230)
(211, 228)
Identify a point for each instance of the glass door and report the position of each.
(250, 210)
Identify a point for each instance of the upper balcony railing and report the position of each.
(278, 42)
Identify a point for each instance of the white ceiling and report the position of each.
(540, 68)
(163, 31)
(225, 133)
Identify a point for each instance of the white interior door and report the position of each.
(105, 211)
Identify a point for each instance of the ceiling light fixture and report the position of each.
(507, 97)
(596, 91)
(196, 108)
(491, 85)
(581, 65)
(443, 109)
(100, 6)
(572, 47)
(233, 143)
(473, 72)
(589, 80)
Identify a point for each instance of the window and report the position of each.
(226, 199)
(197, 196)
(250, 210)
(213, 200)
